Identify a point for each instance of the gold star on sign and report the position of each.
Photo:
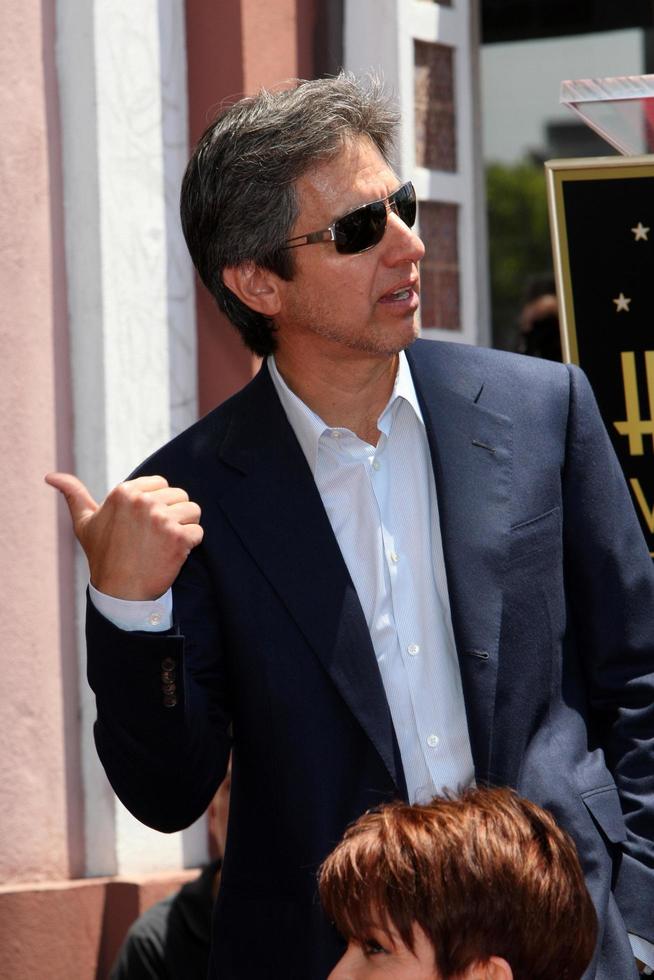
(640, 233)
(622, 303)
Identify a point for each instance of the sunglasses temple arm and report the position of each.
(324, 235)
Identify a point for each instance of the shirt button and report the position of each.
(376, 465)
(432, 741)
(154, 619)
(394, 557)
(336, 434)
(413, 650)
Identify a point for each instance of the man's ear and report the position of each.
(256, 287)
(494, 968)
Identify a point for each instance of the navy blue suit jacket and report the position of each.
(551, 589)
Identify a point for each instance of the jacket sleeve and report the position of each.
(610, 584)
(162, 729)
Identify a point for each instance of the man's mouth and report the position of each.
(407, 291)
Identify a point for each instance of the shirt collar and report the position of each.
(309, 427)
(403, 388)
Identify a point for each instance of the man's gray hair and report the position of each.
(238, 201)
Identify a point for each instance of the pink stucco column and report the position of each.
(233, 48)
(40, 796)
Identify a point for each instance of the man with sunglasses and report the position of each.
(417, 564)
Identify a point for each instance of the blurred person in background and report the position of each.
(172, 939)
(540, 334)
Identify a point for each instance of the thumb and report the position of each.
(80, 502)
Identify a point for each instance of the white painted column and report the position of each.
(122, 76)
(380, 34)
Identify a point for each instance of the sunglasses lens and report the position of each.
(404, 204)
(361, 229)
(365, 227)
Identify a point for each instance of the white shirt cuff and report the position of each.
(149, 616)
(643, 950)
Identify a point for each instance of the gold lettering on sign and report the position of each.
(634, 426)
(646, 510)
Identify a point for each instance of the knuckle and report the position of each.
(158, 517)
(120, 493)
(142, 503)
(177, 536)
(196, 534)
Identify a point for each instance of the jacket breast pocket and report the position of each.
(603, 804)
(536, 538)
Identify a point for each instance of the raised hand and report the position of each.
(138, 538)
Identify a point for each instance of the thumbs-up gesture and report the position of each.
(138, 538)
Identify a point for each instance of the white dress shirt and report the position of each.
(381, 503)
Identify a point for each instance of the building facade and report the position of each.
(110, 347)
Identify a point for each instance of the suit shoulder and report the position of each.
(188, 452)
(501, 370)
(489, 358)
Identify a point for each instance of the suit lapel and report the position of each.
(269, 496)
(472, 460)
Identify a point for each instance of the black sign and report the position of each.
(602, 215)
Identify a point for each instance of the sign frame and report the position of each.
(584, 168)
(624, 382)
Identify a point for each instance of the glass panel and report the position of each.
(435, 116)
(439, 270)
(620, 109)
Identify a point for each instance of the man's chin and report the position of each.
(406, 338)
(392, 342)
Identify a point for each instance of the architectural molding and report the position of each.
(122, 77)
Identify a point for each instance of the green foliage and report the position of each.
(519, 240)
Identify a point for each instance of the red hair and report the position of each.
(484, 874)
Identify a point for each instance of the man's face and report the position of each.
(384, 955)
(339, 304)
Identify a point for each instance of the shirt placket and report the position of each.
(417, 736)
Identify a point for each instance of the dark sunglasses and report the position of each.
(364, 227)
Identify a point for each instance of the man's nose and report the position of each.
(401, 242)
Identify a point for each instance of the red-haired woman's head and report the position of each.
(483, 885)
